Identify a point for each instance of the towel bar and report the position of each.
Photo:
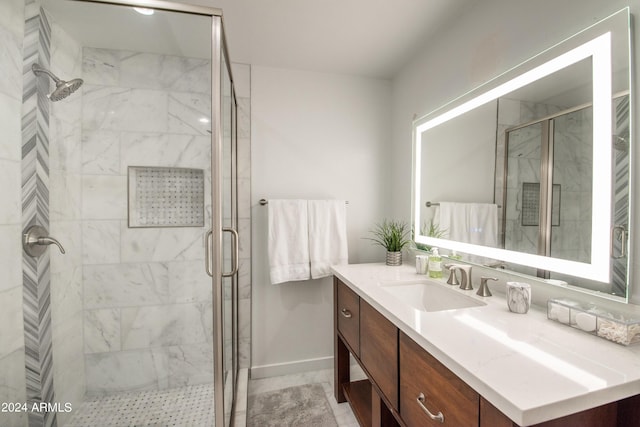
(427, 204)
(265, 201)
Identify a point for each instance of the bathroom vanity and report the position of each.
(434, 354)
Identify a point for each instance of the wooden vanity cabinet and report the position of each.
(379, 351)
(400, 371)
(374, 345)
(601, 416)
(432, 395)
(348, 317)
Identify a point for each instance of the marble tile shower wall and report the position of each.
(573, 159)
(12, 359)
(65, 184)
(147, 300)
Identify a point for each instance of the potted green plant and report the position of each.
(431, 230)
(393, 236)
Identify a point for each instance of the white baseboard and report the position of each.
(295, 367)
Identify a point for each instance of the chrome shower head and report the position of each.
(63, 88)
(620, 143)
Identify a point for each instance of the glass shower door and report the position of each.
(222, 259)
(521, 225)
(230, 240)
(572, 185)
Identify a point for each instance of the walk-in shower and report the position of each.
(131, 319)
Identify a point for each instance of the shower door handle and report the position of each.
(234, 259)
(236, 252)
(207, 252)
(622, 236)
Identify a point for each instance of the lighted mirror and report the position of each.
(530, 171)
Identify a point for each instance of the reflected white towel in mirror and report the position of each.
(475, 223)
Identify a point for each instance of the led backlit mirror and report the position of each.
(520, 172)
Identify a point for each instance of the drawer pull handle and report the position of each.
(346, 313)
(439, 417)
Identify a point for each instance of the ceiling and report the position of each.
(373, 38)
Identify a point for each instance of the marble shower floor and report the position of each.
(191, 405)
(342, 411)
(183, 406)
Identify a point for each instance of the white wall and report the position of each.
(458, 159)
(12, 362)
(314, 136)
(488, 39)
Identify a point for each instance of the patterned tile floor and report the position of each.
(191, 406)
(341, 411)
(181, 407)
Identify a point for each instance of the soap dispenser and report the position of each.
(435, 264)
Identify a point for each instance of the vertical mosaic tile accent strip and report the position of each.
(620, 189)
(35, 210)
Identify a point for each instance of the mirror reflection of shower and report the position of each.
(63, 88)
(620, 143)
(560, 145)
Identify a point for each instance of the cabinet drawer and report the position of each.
(348, 313)
(422, 375)
(379, 351)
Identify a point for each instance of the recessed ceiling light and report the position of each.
(144, 10)
(204, 120)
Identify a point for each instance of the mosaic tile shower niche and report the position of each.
(166, 197)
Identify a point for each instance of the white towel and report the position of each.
(452, 221)
(327, 236)
(288, 240)
(475, 223)
(483, 224)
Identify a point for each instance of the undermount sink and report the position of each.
(427, 296)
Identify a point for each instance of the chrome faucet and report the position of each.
(484, 288)
(465, 279)
(465, 276)
(36, 239)
(453, 277)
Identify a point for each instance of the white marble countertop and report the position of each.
(530, 368)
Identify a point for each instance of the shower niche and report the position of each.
(165, 197)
